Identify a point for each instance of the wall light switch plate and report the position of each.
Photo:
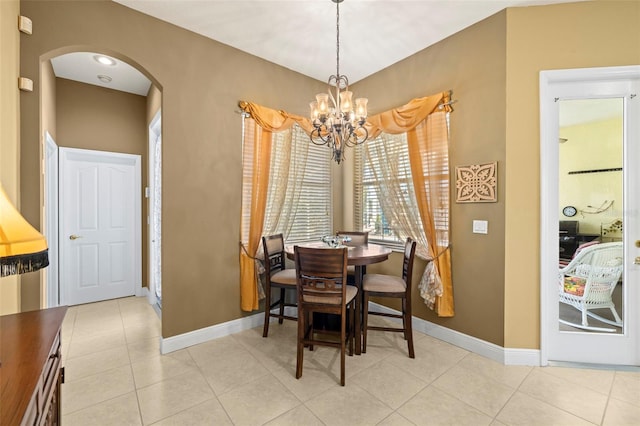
(480, 227)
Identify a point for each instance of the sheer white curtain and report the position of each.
(387, 158)
(288, 165)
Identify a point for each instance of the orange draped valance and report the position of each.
(408, 116)
(393, 121)
(274, 121)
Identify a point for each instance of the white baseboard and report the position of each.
(181, 341)
(497, 353)
(492, 351)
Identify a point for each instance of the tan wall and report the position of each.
(577, 35)
(92, 117)
(49, 97)
(201, 82)
(9, 120)
(33, 288)
(472, 64)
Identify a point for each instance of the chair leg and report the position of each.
(301, 334)
(351, 330)
(280, 320)
(309, 320)
(408, 330)
(343, 337)
(365, 321)
(267, 310)
(404, 318)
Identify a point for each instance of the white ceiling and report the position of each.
(82, 66)
(301, 34)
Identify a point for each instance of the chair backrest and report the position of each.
(321, 275)
(274, 257)
(358, 238)
(598, 265)
(407, 264)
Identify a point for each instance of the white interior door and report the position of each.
(99, 225)
(615, 345)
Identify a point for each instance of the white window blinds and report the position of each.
(299, 195)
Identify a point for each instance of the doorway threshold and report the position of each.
(586, 365)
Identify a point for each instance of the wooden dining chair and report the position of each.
(276, 276)
(358, 238)
(322, 287)
(399, 287)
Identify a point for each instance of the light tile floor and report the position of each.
(115, 375)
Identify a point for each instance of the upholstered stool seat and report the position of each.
(284, 277)
(383, 283)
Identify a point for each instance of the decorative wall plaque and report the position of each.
(477, 183)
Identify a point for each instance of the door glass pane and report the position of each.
(591, 215)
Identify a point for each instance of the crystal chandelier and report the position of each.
(338, 124)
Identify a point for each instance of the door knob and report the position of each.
(637, 243)
(636, 261)
(74, 237)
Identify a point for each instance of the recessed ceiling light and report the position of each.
(104, 60)
(104, 78)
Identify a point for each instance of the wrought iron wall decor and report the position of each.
(477, 183)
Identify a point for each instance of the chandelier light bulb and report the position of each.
(361, 108)
(314, 110)
(323, 103)
(345, 101)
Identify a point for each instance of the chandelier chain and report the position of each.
(337, 39)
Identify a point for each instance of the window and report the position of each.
(386, 204)
(299, 195)
(305, 171)
(369, 181)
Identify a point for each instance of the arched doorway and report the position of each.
(108, 81)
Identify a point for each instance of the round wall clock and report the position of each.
(569, 211)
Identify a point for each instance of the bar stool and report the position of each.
(380, 285)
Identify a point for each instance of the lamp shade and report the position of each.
(22, 247)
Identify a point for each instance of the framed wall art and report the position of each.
(477, 183)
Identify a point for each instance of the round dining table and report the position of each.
(358, 256)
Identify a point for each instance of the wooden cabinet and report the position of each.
(31, 367)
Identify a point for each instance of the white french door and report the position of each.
(99, 225)
(617, 345)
